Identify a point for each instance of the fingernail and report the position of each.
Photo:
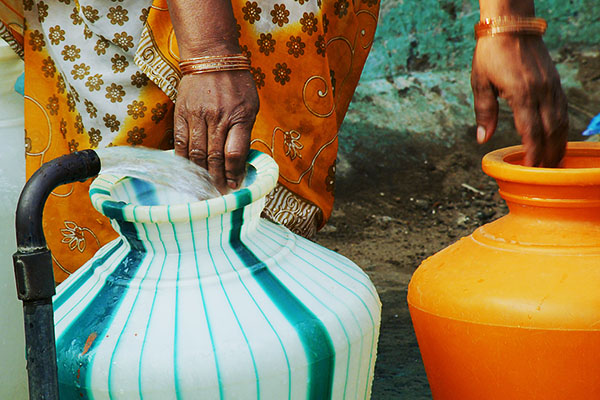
(480, 134)
(232, 184)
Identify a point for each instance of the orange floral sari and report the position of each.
(100, 73)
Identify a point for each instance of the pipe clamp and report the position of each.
(34, 275)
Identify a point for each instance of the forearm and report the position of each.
(204, 27)
(498, 8)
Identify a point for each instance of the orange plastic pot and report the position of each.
(513, 310)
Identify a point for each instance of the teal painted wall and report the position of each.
(418, 35)
(416, 83)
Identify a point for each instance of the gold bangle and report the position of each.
(208, 70)
(201, 65)
(194, 67)
(214, 60)
(187, 65)
(510, 24)
(214, 68)
(222, 57)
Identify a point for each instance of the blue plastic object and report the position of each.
(594, 127)
(20, 84)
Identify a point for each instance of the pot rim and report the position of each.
(497, 164)
(267, 174)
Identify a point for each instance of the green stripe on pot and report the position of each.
(314, 252)
(63, 296)
(151, 313)
(318, 300)
(313, 335)
(255, 302)
(145, 189)
(97, 316)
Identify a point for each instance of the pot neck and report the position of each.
(194, 235)
(557, 220)
(560, 202)
(551, 209)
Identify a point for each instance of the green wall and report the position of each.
(418, 35)
(416, 84)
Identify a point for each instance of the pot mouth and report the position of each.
(261, 178)
(580, 166)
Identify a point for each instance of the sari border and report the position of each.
(290, 210)
(155, 65)
(10, 37)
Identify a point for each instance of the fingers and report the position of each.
(486, 109)
(198, 141)
(529, 125)
(215, 158)
(190, 136)
(226, 152)
(210, 142)
(180, 134)
(236, 151)
(555, 120)
(214, 116)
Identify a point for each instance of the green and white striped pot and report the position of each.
(207, 300)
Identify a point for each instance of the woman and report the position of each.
(106, 73)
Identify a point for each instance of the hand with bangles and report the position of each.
(516, 66)
(214, 111)
(214, 115)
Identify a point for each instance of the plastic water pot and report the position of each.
(207, 300)
(513, 310)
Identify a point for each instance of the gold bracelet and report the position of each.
(510, 24)
(213, 59)
(198, 67)
(217, 69)
(206, 64)
(205, 58)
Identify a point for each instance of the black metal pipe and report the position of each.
(40, 349)
(70, 168)
(33, 267)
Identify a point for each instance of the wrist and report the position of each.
(510, 25)
(505, 8)
(204, 28)
(207, 47)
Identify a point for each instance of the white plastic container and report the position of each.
(13, 375)
(206, 300)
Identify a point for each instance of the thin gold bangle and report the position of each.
(201, 65)
(214, 59)
(207, 70)
(510, 24)
(211, 65)
(204, 58)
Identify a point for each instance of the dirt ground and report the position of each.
(388, 221)
(391, 214)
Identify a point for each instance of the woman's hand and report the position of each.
(214, 112)
(214, 115)
(519, 69)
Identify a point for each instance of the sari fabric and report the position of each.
(11, 24)
(103, 73)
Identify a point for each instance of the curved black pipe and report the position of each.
(33, 267)
(70, 168)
